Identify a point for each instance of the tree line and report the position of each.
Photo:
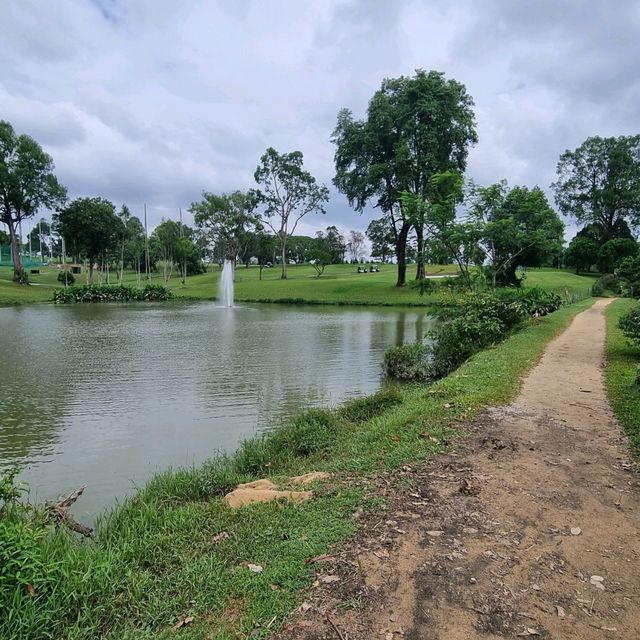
(406, 158)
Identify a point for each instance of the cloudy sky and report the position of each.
(155, 100)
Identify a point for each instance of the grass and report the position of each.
(340, 284)
(623, 360)
(157, 557)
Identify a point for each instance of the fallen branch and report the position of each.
(332, 623)
(59, 510)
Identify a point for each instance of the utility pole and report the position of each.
(146, 245)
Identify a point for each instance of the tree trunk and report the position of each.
(401, 249)
(420, 271)
(19, 274)
(283, 247)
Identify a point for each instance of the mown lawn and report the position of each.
(340, 284)
(160, 557)
(623, 360)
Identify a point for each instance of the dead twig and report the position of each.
(59, 510)
(332, 623)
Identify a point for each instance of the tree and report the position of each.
(335, 244)
(612, 252)
(355, 245)
(599, 182)
(91, 229)
(415, 127)
(581, 253)
(163, 244)
(27, 183)
(517, 227)
(298, 248)
(227, 220)
(319, 254)
(380, 234)
(134, 244)
(288, 193)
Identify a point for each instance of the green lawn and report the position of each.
(340, 284)
(160, 557)
(623, 360)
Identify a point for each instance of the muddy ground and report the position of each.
(529, 529)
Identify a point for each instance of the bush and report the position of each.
(629, 323)
(111, 293)
(65, 277)
(628, 271)
(607, 283)
(534, 302)
(407, 362)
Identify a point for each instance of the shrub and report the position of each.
(628, 271)
(111, 293)
(630, 325)
(407, 362)
(65, 277)
(308, 433)
(606, 283)
(534, 302)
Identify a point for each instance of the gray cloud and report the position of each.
(153, 101)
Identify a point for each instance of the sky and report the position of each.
(154, 101)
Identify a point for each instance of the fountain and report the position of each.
(226, 284)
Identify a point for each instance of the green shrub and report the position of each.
(607, 283)
(407, 362)
(534, 302)
(630, 325)
(368, 407)
(111, 293)
(65, 277)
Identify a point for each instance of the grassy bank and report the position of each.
(340, 284)
(623, 360)
(160, 556)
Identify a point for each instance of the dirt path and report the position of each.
(532, 530)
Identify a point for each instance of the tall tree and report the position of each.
(227, 220)
(27, 183)
(355, 245)
(334, 244)
(415, 127)
(381, 236)
(288, 193)
(91, 229)
(599, 182)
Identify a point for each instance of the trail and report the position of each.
(531, 530)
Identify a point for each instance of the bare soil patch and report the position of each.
(531, 529)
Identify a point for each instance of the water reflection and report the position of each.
(105, 395)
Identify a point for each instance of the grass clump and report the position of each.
(622, 370)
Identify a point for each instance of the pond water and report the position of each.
(106, 395)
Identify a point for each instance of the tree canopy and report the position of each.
(27, 183)
(415, 128)
(599, 182)
(91, 228)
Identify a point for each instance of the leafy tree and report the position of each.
(134, 244)
(612, 252)
(381, 236)
(355, 245)
(415, 127)
(581, 253)
(27, 183)
(227, 220)
(335, 244)
(629, 271)
(517, 227)
(597, 232)
(4, 238)
(91, 229)
(265, 249)
(163, 244)
(319, 254)
(288, 193)
(599, 182)
(298, 248)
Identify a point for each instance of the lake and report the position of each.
(106, 395)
